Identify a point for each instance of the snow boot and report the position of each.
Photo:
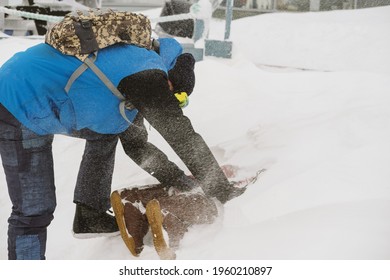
(90, 223)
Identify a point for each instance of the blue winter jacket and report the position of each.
(32, 87)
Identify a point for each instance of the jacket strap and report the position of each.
(90, 63)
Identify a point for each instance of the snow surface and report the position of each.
(323, 134)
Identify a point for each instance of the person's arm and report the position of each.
(151, 159)
(153, 94)
(149, 92)
(181, 78)
(135, 139)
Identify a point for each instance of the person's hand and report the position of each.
(230, 192)
(182, 96)
(183, 99)
(181, 77)
(185, 183)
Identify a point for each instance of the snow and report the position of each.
(322, 133)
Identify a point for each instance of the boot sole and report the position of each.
(94, 235)
(155, 219)
(119, 210)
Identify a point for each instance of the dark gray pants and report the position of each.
(28, 166)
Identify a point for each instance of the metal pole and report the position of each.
(229, 16)
(355, 4)
(2, 17)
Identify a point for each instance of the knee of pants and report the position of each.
(134, 138)
(29, 224)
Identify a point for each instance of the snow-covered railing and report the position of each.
(54, 19)
(174, 18)
(30, 15)
(200, 13)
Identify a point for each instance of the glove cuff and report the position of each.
(183, 99)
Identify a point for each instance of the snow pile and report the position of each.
(335, 41)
